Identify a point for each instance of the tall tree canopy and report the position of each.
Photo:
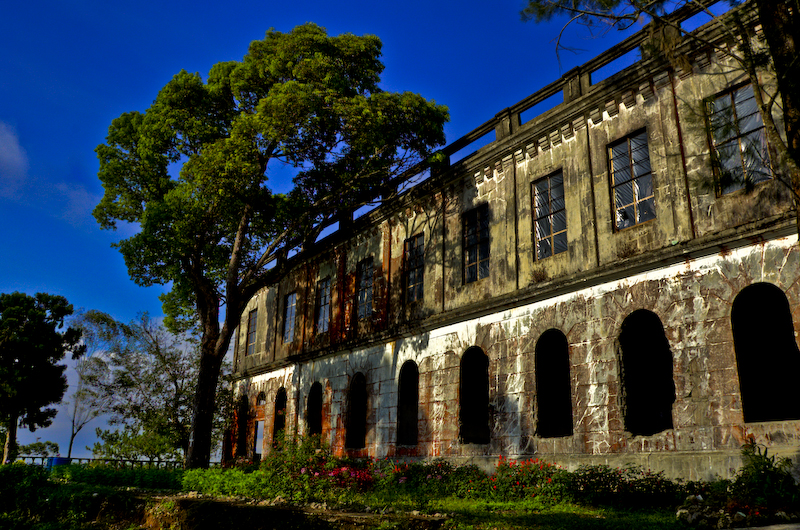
(31, 346)
(780, 23)
(216, 231)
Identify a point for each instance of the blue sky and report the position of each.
(68, 68)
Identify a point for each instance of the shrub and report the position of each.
(21, 487)
(138, 477)
(28, 499)
(764, 482)
(627, 487)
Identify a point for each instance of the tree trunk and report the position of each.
(71, 440)
(10, 448)
(199, 453)
(779, 23)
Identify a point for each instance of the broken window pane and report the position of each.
(364, 275)
(631, 177)
(739, 145)
(550, 216)
(289, 317)
(476, 244)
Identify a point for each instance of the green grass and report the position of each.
(477, 515)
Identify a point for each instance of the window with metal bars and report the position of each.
(550, 216)
(476, 244)
(252, 321)
(289, 314)
(631, 181)
(741, 158)
(323, 306)
(415, 267)
(364, 278)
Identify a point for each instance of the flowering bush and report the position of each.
(631, 486)
(305, 470)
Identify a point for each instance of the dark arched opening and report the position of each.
(314, 410)
(474, 397)
(242, 419)
(648, 388)
(408, 404)
(356, 426)
(553, 388)
(279, 423)
(767, 356)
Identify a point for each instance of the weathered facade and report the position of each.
(570, 290)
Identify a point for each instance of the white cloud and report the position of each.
(78, 203)
(13, 162)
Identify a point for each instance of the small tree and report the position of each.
(84, 405)
(31, 346)
(144, 377)
(38, 448)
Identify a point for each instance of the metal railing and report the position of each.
(50, 461)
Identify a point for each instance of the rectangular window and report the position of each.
(476, 244)
(289, 314)
(631, 181)
(414, 256)
(549, 216)
(740, 143)
(323, 306)
(364, 274)
(252, 320)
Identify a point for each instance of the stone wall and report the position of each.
(620, 298)
(691, 299)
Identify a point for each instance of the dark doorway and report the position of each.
(767, 356)
(553, 387)
(279, 423)
(356, 426)
(648, 388)
(474, 397)
(314, 410)
(408, 404)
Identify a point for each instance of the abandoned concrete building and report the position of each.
(573, 290)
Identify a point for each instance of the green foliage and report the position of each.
(31, 346)
(629, 487)
(301, 471)
(28, 499)
(129, 444)
(20, 485)
(210, 227)
(764, 481)
(39, 448)
(144, 377)
(304, 471)
(106, 475)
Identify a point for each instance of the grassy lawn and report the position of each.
(477, 515)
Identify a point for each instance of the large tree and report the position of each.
(780, 23)
(192, 172)
(32, 343)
